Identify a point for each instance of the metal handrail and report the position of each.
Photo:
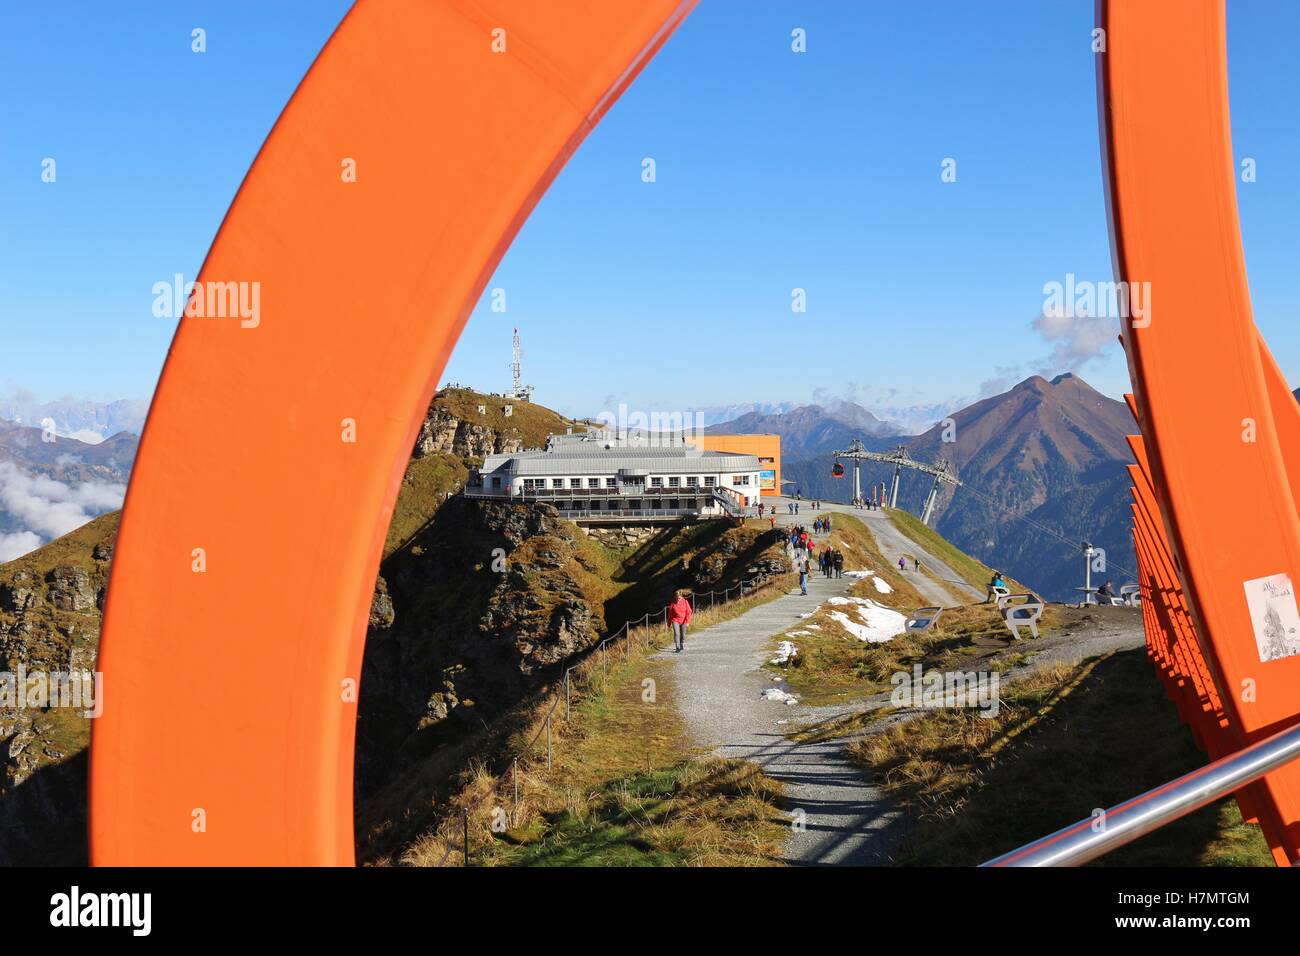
(1088, 839)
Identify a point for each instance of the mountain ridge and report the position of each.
(1043, 453)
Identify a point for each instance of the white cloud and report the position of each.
(88, 435)
(1076, 338)
(17, 544)
(45, 508)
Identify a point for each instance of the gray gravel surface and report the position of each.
(838, 816)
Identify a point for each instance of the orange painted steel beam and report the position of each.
(1202, 377)
(227, 735)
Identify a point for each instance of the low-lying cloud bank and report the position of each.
(44, 508)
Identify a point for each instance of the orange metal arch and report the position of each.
(252, 533)
(1203, 380)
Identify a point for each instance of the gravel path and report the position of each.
(953, 591)
(844, 820)
(838, 817)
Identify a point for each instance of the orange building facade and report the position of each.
(766, 447)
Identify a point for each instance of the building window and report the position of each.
(710, 481)
(594, 505)
(611, 483)
(532, 484)
(575, 482)
(656, 482)
(496, 482)
(557, 482)
(674, 482)
(692, 481)
(593, 482)
(740, 479)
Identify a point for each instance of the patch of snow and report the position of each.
(859, 574)
(881, 624)
(883, 586)
(773, 693)
(785, 651)
(814, 627)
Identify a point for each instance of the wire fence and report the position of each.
(583, 675)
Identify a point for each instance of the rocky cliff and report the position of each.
(50, 604)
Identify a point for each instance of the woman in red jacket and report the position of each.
(679, 615)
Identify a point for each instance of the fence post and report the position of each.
(465, 832)
(516, 811)
(548, 741)
(566, 694)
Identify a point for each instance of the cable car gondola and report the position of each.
(837, 470)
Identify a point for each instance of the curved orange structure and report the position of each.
(365, 231)
(1217, 530)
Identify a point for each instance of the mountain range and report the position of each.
(1043, 467)
(49, 488)
(82, 419)
(812, 429)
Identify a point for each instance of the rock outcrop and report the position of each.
(443, 432)
(50, 603)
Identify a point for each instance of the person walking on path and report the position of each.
(902, 565)
(839, 564)
(802, 567)
(679, 616)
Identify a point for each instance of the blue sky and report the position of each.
(775, 170)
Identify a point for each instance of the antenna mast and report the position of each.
(522, 392)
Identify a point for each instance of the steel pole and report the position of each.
(1091, 838)
(1087, 576)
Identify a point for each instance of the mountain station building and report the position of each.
(602, 476)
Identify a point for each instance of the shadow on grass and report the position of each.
(1058, 751)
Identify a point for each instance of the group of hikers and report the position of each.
(800, 543)
(791, 507)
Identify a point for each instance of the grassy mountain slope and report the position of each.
(1043, 455)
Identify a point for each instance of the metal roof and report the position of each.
(591, 458)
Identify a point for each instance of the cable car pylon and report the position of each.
(900, 459)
